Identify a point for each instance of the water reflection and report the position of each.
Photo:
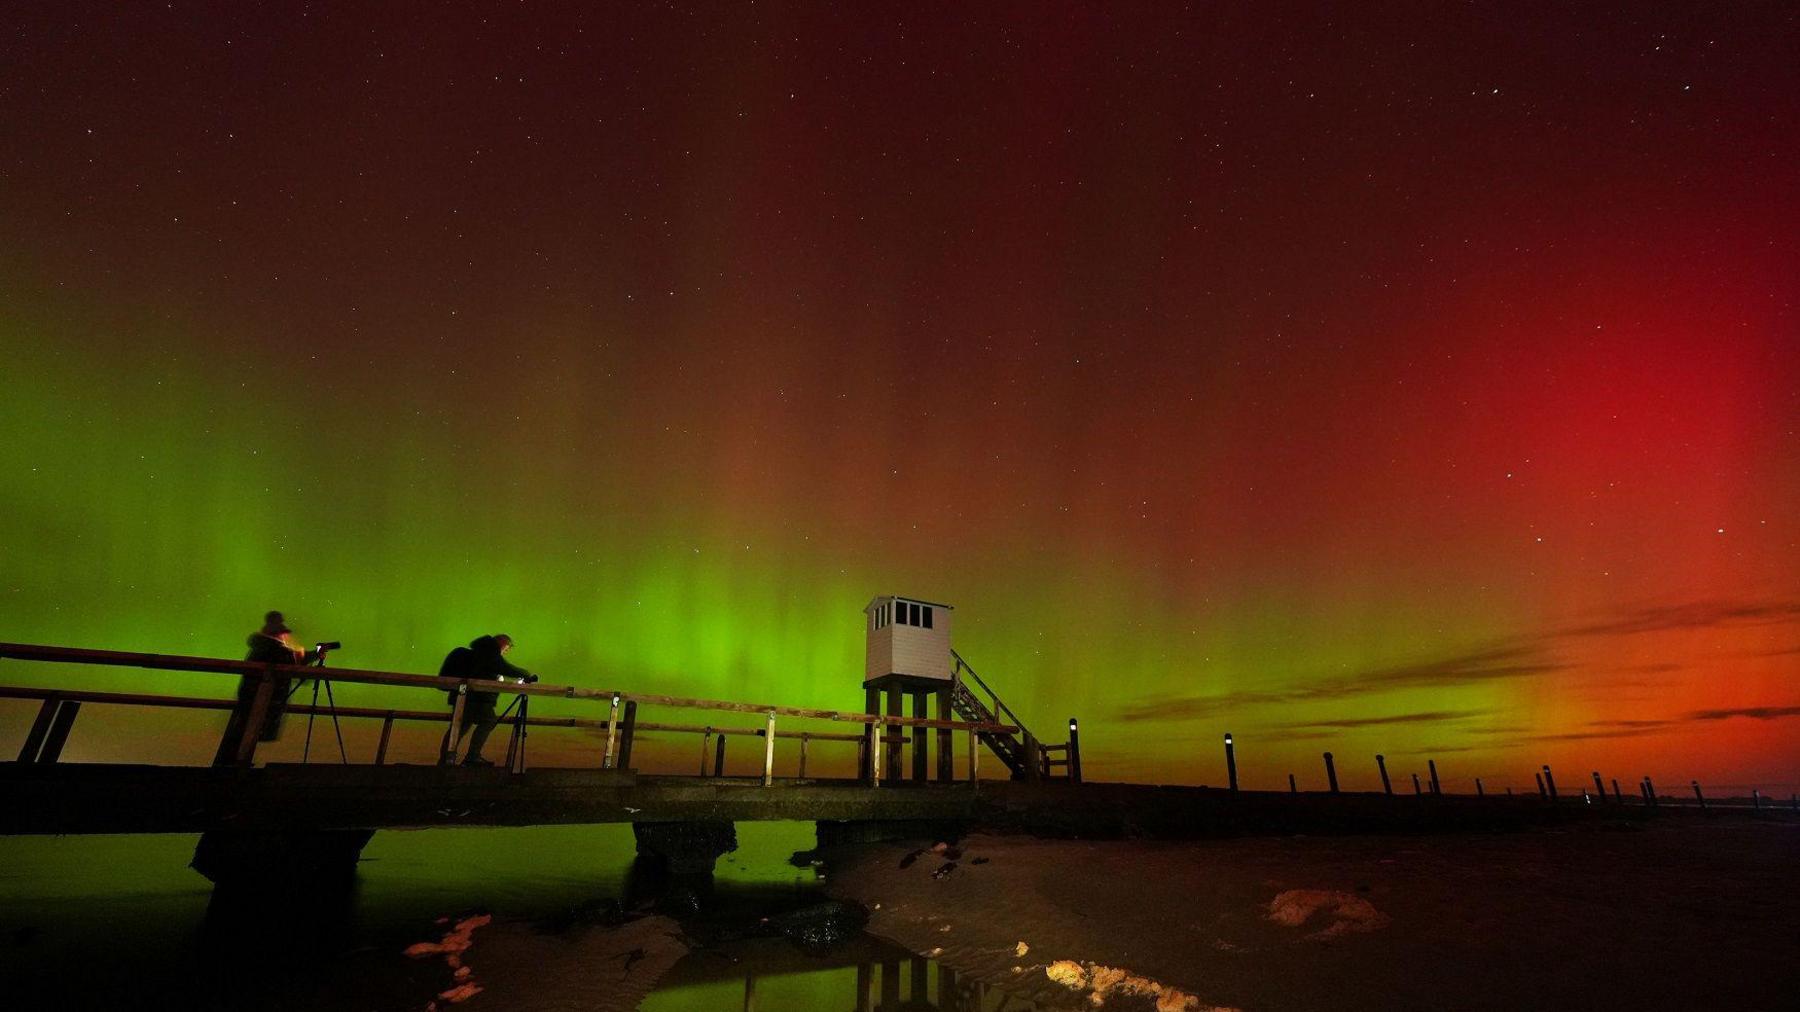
(869, 976)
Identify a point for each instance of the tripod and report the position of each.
(330, 704)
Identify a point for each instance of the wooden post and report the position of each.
(34, 739)
(1650, 792)
(387, 732)
(1549, 782)
(1618, 795)
(1074, 751)
(1756, 799)
(719, 755)
(865, 770)
(920, 761)
(1478, 791)
(1331, 773)
(612, 735)
(804, 737)
(454, 738)
(769, 751)
(946, 745)
(1431, 764)
(253, 722)
(974, 759)
(1034, 757)
(1230, 762)
(1293, 788)
(627, 734)
(1417, 791)
(705, 747)
(1381, 763)
(1599, 787)
(916, 989)
(864, 971)
(876, 738)
(749, 992)
(59, 731)
(1698, 795)
(896, 707)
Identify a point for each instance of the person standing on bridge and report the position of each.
(484, 658)
(272, 644)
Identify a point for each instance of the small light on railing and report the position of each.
(1228, 737)
(1071, 723)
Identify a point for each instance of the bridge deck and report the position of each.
(97, 798)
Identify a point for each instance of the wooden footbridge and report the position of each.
(46, 794)
(324, 811)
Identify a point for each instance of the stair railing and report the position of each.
(999, 706)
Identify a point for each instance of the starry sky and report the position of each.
(1407, 378)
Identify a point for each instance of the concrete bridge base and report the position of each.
(279, 859)
(685, 848)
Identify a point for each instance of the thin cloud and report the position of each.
(1753, 712)
(1433, 716)
(1469, 668)
(1524, 656)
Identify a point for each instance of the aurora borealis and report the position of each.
(1415, 379)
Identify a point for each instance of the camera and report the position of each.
(333, 645)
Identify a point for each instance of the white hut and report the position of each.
(908, 640)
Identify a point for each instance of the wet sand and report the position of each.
(1683, 913)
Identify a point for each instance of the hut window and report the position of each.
(912, 614)
(928, 616)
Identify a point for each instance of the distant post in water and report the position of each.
(1650, 792)
(1756, 799)
(719, 757)
(1417, 790)
(1540, 782)
(1074, 752)
(1478, 791)
(1618, 795)
(1293, 788)
(1230, 761)
(1697, 794)
(1549, 782)
(1381, 764)
(1432, 765)
(1331, 772)
(1599, 788)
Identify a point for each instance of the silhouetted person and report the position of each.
(272, 644)
(484, 658)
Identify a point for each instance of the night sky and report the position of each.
(1417, 378)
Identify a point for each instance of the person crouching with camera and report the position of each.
(484, 658)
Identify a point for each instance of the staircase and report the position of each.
(1021, 752)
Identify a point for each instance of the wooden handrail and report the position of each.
(1000, 706)
(214, 665)
(429, 716)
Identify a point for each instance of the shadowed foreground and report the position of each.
(1686, 914)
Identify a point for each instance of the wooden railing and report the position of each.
(59, 707)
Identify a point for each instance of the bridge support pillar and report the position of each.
(279, 860)
(685, 848)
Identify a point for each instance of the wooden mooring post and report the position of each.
(1230, 762)
(1387, 785)
(1293, 788)
(1074, 755)
(1431, 764)
(1331, 773)
(1697, 795)
(627, 733)
(1549, 782)
(719, 756)
(1599, 787)
(1478, 791)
